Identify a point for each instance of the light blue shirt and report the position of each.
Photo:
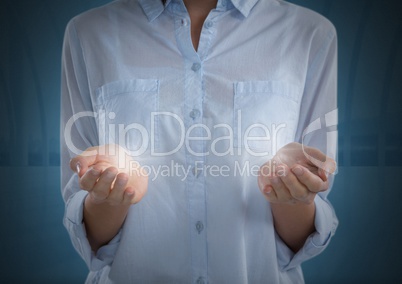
(201, 123)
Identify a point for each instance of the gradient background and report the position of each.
(34, 246)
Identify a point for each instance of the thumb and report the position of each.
(80, 164)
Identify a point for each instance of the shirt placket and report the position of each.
(196, 146)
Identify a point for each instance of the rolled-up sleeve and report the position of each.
(78, 132)
(325, 225)
(76, 229)
(318, 107)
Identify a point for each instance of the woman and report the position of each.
(177, 106)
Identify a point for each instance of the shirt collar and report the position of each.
(244, 6)
(153, 8)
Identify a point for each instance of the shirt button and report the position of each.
(199, 226)
(196, 67)
(208, 24)
(195, 113)
(200, 280)
(184, 22)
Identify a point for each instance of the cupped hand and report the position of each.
(295, 174)
(110, 175)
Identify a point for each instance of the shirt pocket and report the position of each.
(125, 114)
(265, 115)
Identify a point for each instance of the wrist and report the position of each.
(307, 202)
(104, 208)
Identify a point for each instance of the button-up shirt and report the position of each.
(201, 123)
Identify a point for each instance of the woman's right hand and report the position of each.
(114, 182)
(110, 176)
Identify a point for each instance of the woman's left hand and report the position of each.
(295, 174)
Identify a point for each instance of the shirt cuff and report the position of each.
(325, 223)
(73, 222)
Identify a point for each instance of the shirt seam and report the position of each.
(312, 68)
(83, 56)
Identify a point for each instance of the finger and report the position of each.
(82, 162)
(102, 188)
(266, 188)
(328, 168)
(282, 192)
(270, 194)
(262, 181)
(325, 164)
(119, 187)
(88, 180)
(129, 196)
(311, 181)
(296, 189)
(264, 173)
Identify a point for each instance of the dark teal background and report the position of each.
(34, 246)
